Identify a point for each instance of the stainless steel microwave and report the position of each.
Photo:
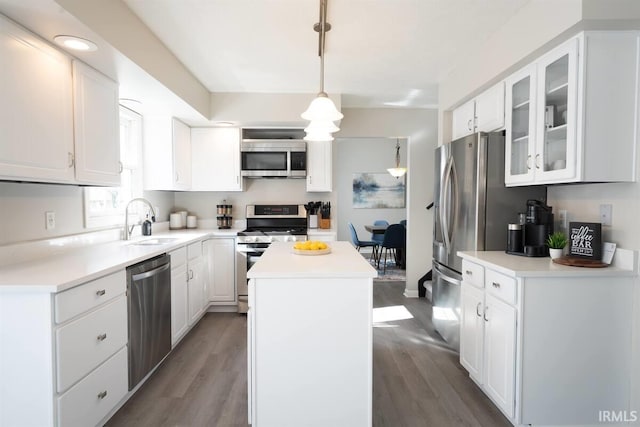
(274, 158)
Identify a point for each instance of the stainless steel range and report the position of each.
(266, 224)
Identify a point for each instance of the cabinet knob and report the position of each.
(101, 292)
(495, 285)
(468, 272)
(102, 394)
(478, 309)
(102, 337)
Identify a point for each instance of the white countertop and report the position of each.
(66, 270)
(625, 262)
(343, 261)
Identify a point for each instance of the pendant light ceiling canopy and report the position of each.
(397, 171)
(322, 111)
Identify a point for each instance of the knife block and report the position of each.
(325, 222)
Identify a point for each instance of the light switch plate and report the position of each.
(606, 212)
(50, 220)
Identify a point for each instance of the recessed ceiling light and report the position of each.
(76, 43)
(225, 124)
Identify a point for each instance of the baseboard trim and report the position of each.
(222, 309)
(411, 293)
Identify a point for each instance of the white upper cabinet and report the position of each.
(96, 125)
(215, 159)
(572, 114)
(485, 113)
(36, 112)
(319, 166)
(167, 154)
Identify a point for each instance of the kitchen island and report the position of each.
(309, 333)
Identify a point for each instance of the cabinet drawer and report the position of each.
(194, 250)
(473, 273)
(84, 297)
(503, 287)
(178, 257)
(88, 341)
(89, 401)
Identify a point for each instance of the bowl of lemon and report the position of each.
(311, 247)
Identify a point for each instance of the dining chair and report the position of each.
(403, 222)
(380, 236)
(363, 243)
(394, 240)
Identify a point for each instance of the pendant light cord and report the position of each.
(323, 29)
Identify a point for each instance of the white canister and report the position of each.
(192, 221)
(175, 221)
(313, 221)
(183, 215)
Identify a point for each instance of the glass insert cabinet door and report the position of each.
(555, 156)
(520, 126)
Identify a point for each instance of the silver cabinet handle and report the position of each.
(102, 394)
(486, 308)
(71, 159)
(495, 285)
(529, 162)
(101, 292)
(537, 164)
(468, 272)
(469, 124)
(121, 167)
(102, 337)
(478, 309)
(190, 274)
(237, 179)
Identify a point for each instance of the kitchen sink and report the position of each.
(156, 241)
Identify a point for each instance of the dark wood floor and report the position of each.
(417, 380)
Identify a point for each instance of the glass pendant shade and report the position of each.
(322, 108)
(397, 172)
(326, 126)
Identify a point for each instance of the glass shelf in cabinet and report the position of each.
(521, 138)
(521, 105)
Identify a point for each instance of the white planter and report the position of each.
(555, 253)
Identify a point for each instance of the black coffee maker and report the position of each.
(538, 225)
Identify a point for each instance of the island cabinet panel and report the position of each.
(313, 356)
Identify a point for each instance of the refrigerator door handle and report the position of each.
(453, 220)
(444, 207)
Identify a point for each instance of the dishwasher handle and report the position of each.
(147, 274)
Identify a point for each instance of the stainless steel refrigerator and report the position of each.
(472, 211)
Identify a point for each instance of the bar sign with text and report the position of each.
(586, 240)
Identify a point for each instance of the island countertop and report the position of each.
(280, 261)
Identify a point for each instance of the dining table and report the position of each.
(380, 229)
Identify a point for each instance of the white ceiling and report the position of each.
(379, 53)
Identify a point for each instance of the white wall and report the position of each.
(350, 158)
(23, 207)
(419, 126)
(256, 191)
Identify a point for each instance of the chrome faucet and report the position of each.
(127, 231)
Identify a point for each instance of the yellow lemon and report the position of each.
(322, 245)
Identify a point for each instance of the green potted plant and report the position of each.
(556, 242)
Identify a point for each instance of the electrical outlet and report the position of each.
(606, 213)
(50, 220)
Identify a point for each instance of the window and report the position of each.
(104, 206)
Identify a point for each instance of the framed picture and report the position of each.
(378, 191)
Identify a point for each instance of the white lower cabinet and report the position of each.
(89, 401)
(63, 357)
(179, 295)
(319, 169)
(195, 282)
(533, 338)
(220, 267)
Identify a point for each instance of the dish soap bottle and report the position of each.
(146, 227)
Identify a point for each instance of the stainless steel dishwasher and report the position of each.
(149, 306)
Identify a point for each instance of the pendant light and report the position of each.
(322, 112)
(397, 171)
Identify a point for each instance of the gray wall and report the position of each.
(419, 127)
(350, 158)
(23, 207)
